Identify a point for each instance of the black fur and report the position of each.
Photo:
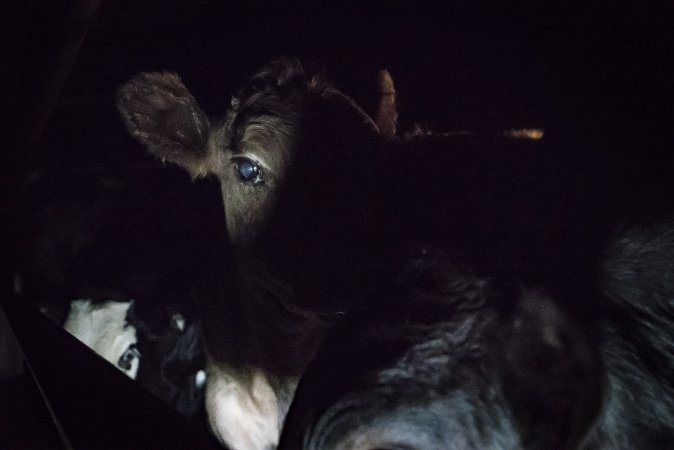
(446, 359)
(122, 236)
(504, 212)
(170, 340)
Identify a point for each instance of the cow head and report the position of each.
(103, 327)
(293, 156)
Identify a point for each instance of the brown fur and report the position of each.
(283, 227)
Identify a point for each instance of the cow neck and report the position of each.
(285, 338)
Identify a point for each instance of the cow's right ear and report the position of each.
(161, 114)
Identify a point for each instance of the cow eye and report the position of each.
(126, 360)
(248, 170)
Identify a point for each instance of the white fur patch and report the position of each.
(178, 322)
(200, 379)
(104, 329)
(242, 408)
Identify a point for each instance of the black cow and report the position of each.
(446, 359)
(318, 199)
(289, 156)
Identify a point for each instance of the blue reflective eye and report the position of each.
(248, 170)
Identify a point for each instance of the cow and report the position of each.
(316, 195)
(448, 359)
(289, 155)
(94, 263)
(158, 346)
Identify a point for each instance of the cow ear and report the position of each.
(553, 375)
(161, 114)
(387, 114)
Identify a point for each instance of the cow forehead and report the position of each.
(269, 136)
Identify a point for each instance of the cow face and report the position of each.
(446, 359)
(293, 156)
(103, 328)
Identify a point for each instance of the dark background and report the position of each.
(592, 70)
(597, 75)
